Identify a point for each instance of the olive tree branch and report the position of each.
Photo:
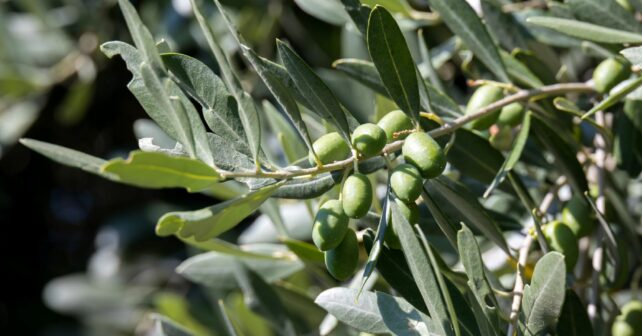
(522, 95)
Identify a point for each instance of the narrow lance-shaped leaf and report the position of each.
(471, 259)
(422, 271)
(462, 20)
(281, 93)
(248, 112)
(158, 170)
(543, 298)
(314, 89)
(140, 34)
(177, 117)
(606, 13)
(513, 157)
(200, 82)
(69, 157)
(188, 128)
(586, 31)
(382, 230)
(209, 222)
(391, 56)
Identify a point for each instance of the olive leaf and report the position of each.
(392, 58)
(586, 31)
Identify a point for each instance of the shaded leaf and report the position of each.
(564, 153)
(586, 31)
(462, 20)
(465, 207)
(262, 299)
(474, 156)
(574, 320)
(515, 153)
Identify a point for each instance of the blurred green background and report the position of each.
(56, 86)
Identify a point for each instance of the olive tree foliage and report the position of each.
(516, 214)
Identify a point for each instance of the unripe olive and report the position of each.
(577, 215)
(342, 261)
(330, 225)
(423, 152)
(356, 195)
(484, 96)
(511, 115)
(609, 73)
(369, 139)
(406, 182)
(561, 239)
(393, 122)
(629, 323)
(330, 147)
(502, 139)
(410, 212)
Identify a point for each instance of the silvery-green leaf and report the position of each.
(374, 312)
(216, 270)
(543, 298)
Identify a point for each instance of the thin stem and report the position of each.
(522, 95)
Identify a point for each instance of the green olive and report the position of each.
(423, 152)
(577, 215)
(610, 73)
(342, 261)
(484, 96)
(369, 140)
(330, 225)
(511, 115)
(406, 182)
(356, 195)
(561, 239)
(330, 147)
(629, 322)
(393, 122)
(502, 139)
(410, 212)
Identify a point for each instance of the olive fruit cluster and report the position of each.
(629, 322)
(424, 159)
(561, 238)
